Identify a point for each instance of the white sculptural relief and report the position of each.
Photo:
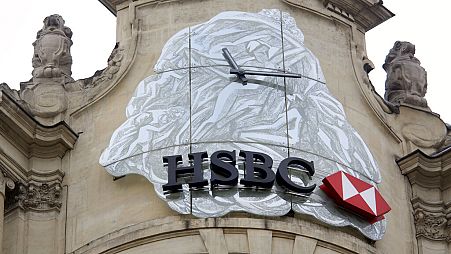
(194, 104)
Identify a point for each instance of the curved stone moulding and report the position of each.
(204, 108)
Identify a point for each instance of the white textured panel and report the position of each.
(255, 42)
(203, 108)
(225, 110)
(177, 55)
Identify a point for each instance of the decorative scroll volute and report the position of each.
(5, 182)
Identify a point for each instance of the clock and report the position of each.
(242, 81)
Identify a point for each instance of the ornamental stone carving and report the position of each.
(114, 64)
(39, 197)
(430, 225)
(430, 182)
(406, 80)
(52, 94)
(52, 56)
(45, 95)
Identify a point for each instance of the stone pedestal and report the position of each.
(46, 99)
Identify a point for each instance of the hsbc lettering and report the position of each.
(258, 171)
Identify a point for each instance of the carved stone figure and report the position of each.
(406, 80)
(52, 93)
(52, 56)
(46, 95)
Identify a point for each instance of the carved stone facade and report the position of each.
(54, 129)
(432, 226)
(430, 180)
(52, 57)
(39, 198)
(31, 158)
(45, 95)
(52, 95)
(406, 80)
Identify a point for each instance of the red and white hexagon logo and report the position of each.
(356, 195)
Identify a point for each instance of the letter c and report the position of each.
(282, 178)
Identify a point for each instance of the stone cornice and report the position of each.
(37, 188)
(31, 137)
(111, 4)
(430, 171)
(366, 13)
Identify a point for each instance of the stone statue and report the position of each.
(52, 56)
(45, 95)
(52, 93)
(406, 80)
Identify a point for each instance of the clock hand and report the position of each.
(229, 58)
(239, 72)
(266, 73)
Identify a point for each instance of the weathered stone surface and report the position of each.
(45, 95)
(180, 234)
(46, 99)
(406, 80)
(52, 57)
(5, 182)
(31, 155)
(431, 225)
(418, 129)
(40, 197)
(366, 13)
(430, 180)
(214, 240)
(51, 95)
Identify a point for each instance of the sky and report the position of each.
(424, 25)
(93, 27)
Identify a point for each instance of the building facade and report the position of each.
(86, 164)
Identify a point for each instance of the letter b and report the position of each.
(262, 166)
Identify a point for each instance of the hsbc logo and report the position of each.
(356, 195)
(258, 171)
(347, 191)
